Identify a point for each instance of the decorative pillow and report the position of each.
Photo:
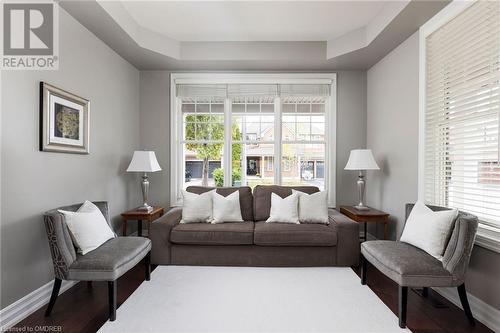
(313, 208)
(429, 230)
(284, 210)
(226, 209)
(87, 227)
(197, 207)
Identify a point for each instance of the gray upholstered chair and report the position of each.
(411, 267)
(106, 263)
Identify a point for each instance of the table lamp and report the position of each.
(144, 161)
(360, 160)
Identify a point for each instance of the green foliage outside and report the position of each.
(218, 175)
(211, 127)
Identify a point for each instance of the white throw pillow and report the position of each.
(226, 209)
(284, 210)
(88, 227)
(429, 230)
(313, 208)
(197, 207)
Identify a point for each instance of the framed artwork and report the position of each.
(64, 121)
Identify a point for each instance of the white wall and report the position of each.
(155, 135)
(392, 133)
(34, 181)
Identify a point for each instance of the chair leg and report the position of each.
(363, 270)
(112, 299)
(465, 304)
(147, 262)
(425, 292)
(403, 297)
(53, 297)
(89, 284)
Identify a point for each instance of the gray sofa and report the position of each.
(254, 242)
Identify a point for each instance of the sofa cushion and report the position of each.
(262, 197)
(246, 197)
(286, 234)
(406, 264)
(229, 233)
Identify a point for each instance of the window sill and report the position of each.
(488, 237)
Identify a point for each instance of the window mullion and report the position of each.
(228, 139)
(277, 140)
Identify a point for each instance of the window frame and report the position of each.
(488, 236)
(176, 123)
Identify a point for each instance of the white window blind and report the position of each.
(238, 90)
(305, 90)
(201, 90)
(462, 113)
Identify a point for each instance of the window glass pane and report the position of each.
(238, 108)
(256, 173)
(203, 127)
(303, 108)
(303, 164)
(202, 108)
(254, 108)
(188, 107)
(318, 108)
(288, 108)
(267, 108)
(266, 132)
(288, 131)
(303, 131)
(202, 164)
(217, 108)
(257, 160)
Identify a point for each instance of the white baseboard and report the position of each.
(482, 311)
(19, 310)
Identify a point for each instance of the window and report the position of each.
(236, 126)
(269, 163)
(303, 139)
(253, 121)
(461, 116)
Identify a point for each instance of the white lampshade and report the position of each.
(143, 161)
(361, 159)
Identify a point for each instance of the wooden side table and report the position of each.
(139, 216)
(367, 216)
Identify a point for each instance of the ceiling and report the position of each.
(253, 21)
(253, 35)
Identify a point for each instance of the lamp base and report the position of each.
(358, 207)
(145, 208)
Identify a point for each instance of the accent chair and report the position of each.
(410, 266)
(106, 263)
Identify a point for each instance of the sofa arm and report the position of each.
(347, 238)
(160, 236)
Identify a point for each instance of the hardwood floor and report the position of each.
(84, 309)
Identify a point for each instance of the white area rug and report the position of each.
(246, 299)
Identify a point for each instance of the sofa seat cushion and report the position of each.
(228, 233)
(406, 264)
(286, 234)
(110, 260)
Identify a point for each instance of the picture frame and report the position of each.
(64, 121)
